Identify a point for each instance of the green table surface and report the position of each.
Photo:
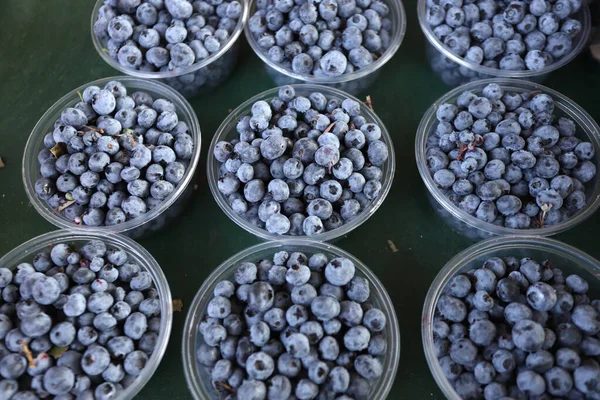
(46, 51)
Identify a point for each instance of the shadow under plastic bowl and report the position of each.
(469, 225)
(198, 79)
(227, 131)
(569, 259)
(454, 70)
(353, 83)
(149, 222)
(198, 378)
(136, 253)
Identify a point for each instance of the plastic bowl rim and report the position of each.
(168, 74)
(395, 43)
(39, 130)
(222, 132)
(149, 263)
(585, 123)
(204, 294)
(473, 252)
(445, 51)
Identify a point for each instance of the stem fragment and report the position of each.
(28, 354)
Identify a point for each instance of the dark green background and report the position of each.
(46, 51)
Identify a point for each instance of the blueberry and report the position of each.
(219, 307)
(318, 371)
(503, 361)
(278, 224)
(482, 301)
(470, 203)
(135, 362)
(368, 367)
(528, 335)
(508, 205)
(459, 286)
(568, 359)
(259, 366)
(540, 361)
(541, 296)
(278, 190)
(13, 366)
(333, 63)
(585, 171)
(489, 191)
(515, 312)
(549, 198)
(58, 380)
(538, 185)
(452, 308)
(577, 284)
(507, 290)
(222, 370)
(207, 355)
(586, 318)
(95, 360)
(119, 29)
(585, 377)
(62, 334)
(444, 178)
(558, 381)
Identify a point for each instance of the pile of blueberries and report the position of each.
(302, 165)
(322, 38)
(165, 35)
(505, 158)
(519, 329)
(113, 157)
(76, 322)
(509, 35)
(293, 326)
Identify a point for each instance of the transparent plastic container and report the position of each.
(471, 226)
(353, 83)
(26, 251)
(198, 79)
(569, 259)
(227, 131)
(455, 70)
(149, 222)
(198, 378)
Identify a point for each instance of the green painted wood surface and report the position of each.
(46, 50)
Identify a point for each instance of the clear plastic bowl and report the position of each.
(26, 251)
(198, 378)
(353, 83)
(471, 226)
(199, 78)
(146, 223)
(569, 259)
(455, 70)
(227, 131)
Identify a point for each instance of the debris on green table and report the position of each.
(177, 305)
(369, 102)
